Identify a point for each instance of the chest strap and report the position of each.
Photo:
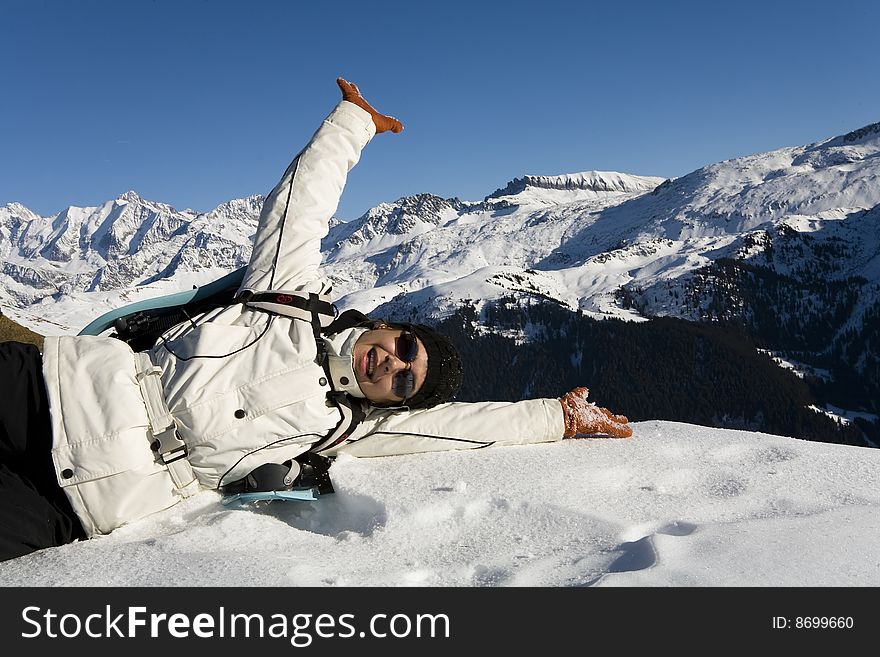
(166, 443)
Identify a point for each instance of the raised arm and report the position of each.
(296, 214)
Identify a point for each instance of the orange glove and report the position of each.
(352, 94)
(583, 417)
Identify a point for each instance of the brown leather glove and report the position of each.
(352, 94)
(583, 417)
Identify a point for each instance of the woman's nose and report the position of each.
(393, 364)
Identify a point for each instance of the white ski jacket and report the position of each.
(242, 386)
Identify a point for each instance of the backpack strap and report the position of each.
(346, 320)
(311, 307)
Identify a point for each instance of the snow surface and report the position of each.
(676, 505)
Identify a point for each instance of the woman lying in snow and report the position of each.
(94, 435)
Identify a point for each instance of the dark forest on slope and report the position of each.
(701, 373)
(831, 324)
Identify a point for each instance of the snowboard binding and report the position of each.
(302, 479)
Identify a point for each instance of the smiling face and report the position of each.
(375, 362)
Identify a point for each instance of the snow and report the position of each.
(851, 415)
(800, 370)
(676, 505)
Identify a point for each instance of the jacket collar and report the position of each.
(340, 365)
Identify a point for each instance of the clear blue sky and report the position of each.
(195, 102)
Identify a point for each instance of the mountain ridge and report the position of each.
(597, 181)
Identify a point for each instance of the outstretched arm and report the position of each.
(296, 214)
(472, 425)
(457, 425)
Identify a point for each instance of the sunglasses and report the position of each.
(406, 348)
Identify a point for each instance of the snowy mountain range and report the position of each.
(578, 238)
(786, 243)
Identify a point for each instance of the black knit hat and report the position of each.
(443, 378)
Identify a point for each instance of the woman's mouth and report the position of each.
(370, 364)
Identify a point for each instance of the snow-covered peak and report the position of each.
(248, 204)
(592, 181)
(15, 208)
(130, 196)
(390, 224)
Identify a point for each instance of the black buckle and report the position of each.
(169, 445)
(315, 472)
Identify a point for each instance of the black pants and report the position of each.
(34, 511)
